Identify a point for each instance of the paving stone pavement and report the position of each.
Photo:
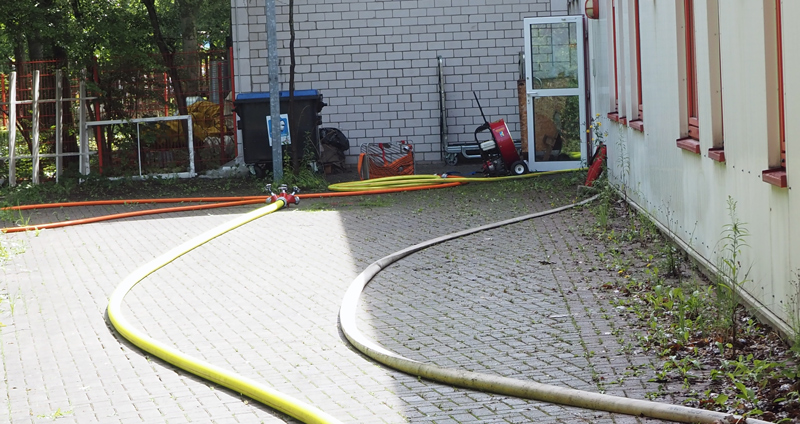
(263, 301)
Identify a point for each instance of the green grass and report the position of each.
(376, 201)
(58, 413)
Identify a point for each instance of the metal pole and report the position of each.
(139, 148)
(84, 130)
(35, 129)
(221, 97)
(12, 130)
(190, 124)
(98, 134)
(232, 78)
(59, 140)
(274, 92)
(166, 95)
(3, 95)
(442, 110)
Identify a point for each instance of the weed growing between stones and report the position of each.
(305, 177)
(14, 216)
(732, 278)
(792, 310)
(58, 413)
(4, 250)
(7, 250)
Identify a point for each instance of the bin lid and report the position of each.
(262, 95)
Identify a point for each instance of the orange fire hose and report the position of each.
(222, 203)
(121, 215)
(131, 202)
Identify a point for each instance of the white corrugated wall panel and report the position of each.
(686, 192)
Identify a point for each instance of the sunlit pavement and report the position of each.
(263, 301)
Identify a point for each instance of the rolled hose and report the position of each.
(493, 383)
(413, 180)
(252, 389)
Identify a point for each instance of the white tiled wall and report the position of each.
(375, 62)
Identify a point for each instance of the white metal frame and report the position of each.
(532, 93)
(190, 133)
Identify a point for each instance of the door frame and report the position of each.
(532, 93)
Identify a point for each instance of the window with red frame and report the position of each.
(614, 115)
(638, 123)
(717, 151)
(777, 176)
(781, 116)
(691, 70)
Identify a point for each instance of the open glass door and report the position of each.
(554, 74)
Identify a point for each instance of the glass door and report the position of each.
(556, 101)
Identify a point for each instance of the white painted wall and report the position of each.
(687, 193)
(375, 62)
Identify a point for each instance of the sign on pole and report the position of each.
(286, 138)
(274, 89)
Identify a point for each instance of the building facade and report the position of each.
(697, 98)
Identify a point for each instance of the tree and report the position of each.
(214, 24)
(76, 31)
(39, 30)
(167, 55)
(119, 40)
(188, 10)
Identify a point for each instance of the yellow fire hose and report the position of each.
(257, 391)
(252, 389)
(308, 413)
(422, 180)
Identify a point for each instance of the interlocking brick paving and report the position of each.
(263, 301)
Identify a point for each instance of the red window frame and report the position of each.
(717, 152)
(614, 34)
(638, 123)
(781, 115)
(691, 71)
(777, 176)
(614, 115)
(638, 60)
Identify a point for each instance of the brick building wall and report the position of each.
(375, 62)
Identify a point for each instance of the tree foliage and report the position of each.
(121, 42)
(79, 30)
